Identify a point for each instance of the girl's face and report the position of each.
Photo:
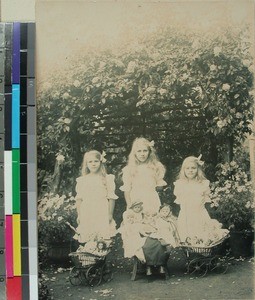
(142, 153)
(93, 163)
(165, 211)
(190, 170)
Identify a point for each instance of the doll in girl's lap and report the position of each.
(130, 229)
(192, 192)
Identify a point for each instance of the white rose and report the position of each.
(225, 87)
(217, 51)
(213, 67)
(131, 67)
(60, 158)
(65, 95)
(95, 80)
(76, 83)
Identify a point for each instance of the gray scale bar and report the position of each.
(1, 176)
(2, 239)
(2, 262)
(31, 50)
(1, 198)
(1, 147)
(32, 206)
(2, 288)
(2, 58)
(31, 91)
(2, 35)
(1, 118)
(1, 214)
(31, 149)
(31, 121)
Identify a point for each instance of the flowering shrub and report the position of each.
(232, 197)
(54, 212)
(195, 90)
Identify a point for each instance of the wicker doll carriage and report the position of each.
(204, 259)
(89, 269)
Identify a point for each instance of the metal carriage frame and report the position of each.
(89, 269)
(201, 259)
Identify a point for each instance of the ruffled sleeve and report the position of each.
(78, 188)
(160, 175)
(127, 183)
(111, 187)
(178, 187)
(206, 190)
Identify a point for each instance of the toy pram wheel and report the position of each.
(94, 275)
(218, 265)
(75, 276)
(107, 272)
(198, 266)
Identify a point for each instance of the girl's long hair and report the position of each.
(152, 160)
(192, 159)
(98, 155)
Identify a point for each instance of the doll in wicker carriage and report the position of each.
(192, 191)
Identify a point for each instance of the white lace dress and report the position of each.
(194, 221)
(94, 191)
(142, 184)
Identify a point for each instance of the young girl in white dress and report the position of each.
(143, 175)
(95, 199)
(192, 192)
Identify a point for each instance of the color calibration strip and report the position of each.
(2, 202)
(18, 187)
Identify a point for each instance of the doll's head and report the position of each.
(164, 210)
(149, 217)
(142, 151)
(136, 206)
(101, 245)
(192, 169)
(93, 162)
(129, 217)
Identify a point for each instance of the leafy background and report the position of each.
(191, 94)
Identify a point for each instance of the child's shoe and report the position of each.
(161, 270)
(148, 271)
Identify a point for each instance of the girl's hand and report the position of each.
(110, 219)
(78, 221)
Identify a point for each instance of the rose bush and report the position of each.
(233, 198)
(54, 211)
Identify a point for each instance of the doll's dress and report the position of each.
(167, 230)
(130, 233)
(94, 191)
(194, 221)
(141, 182)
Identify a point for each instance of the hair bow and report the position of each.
(151, 143)
(199, 161)
(103, 159)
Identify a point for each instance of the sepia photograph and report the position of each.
(146, 149)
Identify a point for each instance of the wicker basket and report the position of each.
(202, 250)
(83, 259)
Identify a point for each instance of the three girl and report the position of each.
(143, 176)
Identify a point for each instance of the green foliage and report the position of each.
(54, 212)
(186, 91)
(233, 197)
